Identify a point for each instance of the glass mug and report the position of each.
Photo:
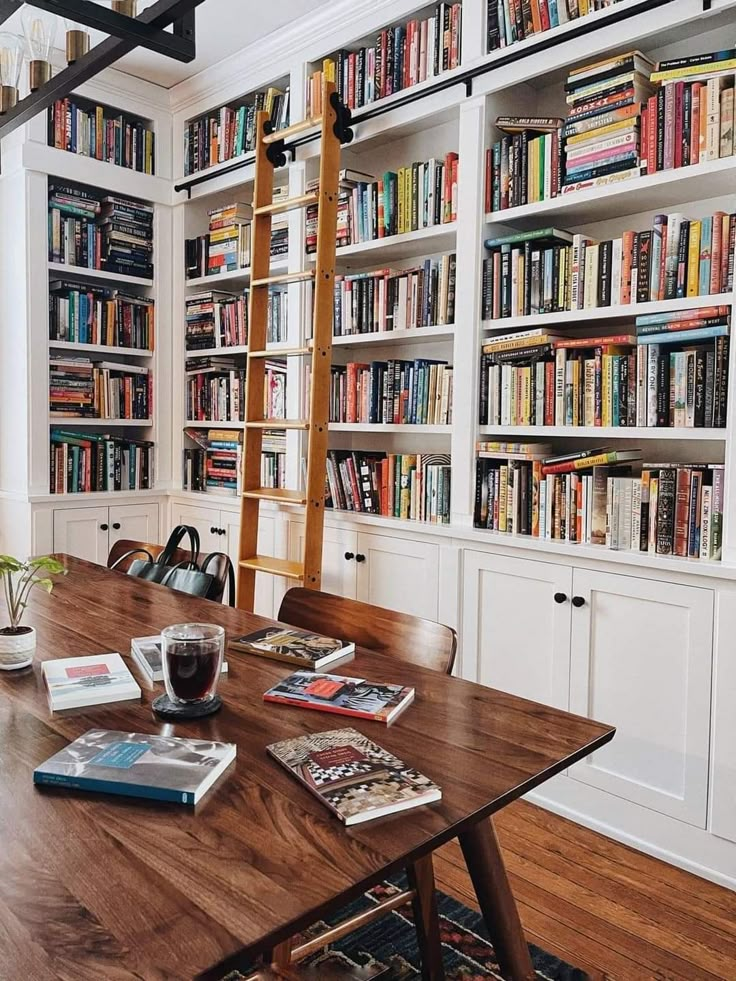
(192, 656)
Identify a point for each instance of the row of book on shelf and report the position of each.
(83, 463)
(225, 247)
(396, 299)
(398, 392)
(101, 133)
(100, 231)
(82, 388)
(674, 372)
(601, 497)
(626, 117)
(220, 320)
(415, 487)
(215, 390)
(551, 270)
(401, 56)
(86, 314)
(510, 21)
(230, 131)
(214, 463)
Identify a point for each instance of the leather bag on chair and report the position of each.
(186, 576)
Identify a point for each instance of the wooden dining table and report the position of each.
(103, 888)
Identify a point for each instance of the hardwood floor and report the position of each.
(603, 906)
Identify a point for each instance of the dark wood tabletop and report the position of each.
(100, 887)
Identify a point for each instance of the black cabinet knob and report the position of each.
(560, 597)
(117, 526)
(349, 556)
(578, 601)
(360, 558)
(213, 530)
(221, 531)
(104, 527)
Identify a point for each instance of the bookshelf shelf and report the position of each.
(236, 277)
(216, 424)
(423, 241)
(70, 422)
(607, 432)
(416, 335)
(380, 427)
(62, 270)
(629, 311)
(217, 352)
(653, 192)
(130, 352)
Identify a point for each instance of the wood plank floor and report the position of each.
(604, 907)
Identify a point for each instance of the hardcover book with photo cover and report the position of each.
(343, 696)
(146, 652)
(353, 776)
(137, 765)
(293, 646)
(78, 682)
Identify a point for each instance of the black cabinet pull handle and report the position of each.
(214, 531)
(360, 558)
(221, 531)
(104, 527)
(560, 597)
(117, 526)
(349, 556)
(578, 601)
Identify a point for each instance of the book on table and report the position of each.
(334, 693)
(294, 646)
(78, 682)
(146, 652)
(134, 764)
(353, 776)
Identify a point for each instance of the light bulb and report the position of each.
(39, 29)
(77, 41)
(11, 59)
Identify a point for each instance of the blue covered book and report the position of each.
(138, 765)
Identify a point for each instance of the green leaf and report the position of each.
(9, 564)
(46, 584)
(48, 564)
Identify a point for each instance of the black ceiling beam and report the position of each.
(8, 8)
(108, 21)
(106, 53)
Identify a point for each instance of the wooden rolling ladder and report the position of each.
(271, 149)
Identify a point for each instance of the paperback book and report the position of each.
(356, 697)
(147, 654)
(353, 776)
(78, 682)
(294, 646)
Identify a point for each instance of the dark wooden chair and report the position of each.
(412, 639)
(128, 551)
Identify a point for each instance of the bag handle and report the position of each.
(230, 573)
(133, 551)
(175, 539)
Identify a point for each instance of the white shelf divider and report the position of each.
(62, 270)
(606, 432)
(415, 335)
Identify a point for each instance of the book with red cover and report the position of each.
(355, 697)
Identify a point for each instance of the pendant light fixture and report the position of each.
(39, 29)
(125, 7)
(77, 41)
(11, 61)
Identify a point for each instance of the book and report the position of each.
(83, 127)
(146, 652)
(79, 682)
(343, 696)
(356, 779)
(294, 646)
(135, 764)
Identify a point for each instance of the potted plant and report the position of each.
(17, 643)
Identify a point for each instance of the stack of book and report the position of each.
(216, 320)
(79, 387)
(420, 195)
(274, 390)
(215, 464)
(673, 372)
(273, 459)
(690, 118)
(230, 132)
(93, 315)
(593, 497)
(551, 270)
(229, 239)
(525, 165)
(603, 134)
(509, 22)
(74, 237)
(215, 390)
(83, 463)
(349, 182)
(395, 392)
(396, 299)
(104, 134)
(401, 56)
(127, 236)
(415, 487)
(277, 324)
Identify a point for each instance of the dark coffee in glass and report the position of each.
(192, 661)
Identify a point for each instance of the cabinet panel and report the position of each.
(82, 532)
(641, 660)
(515, 636)
(139, 522)
(398, 574)
(206, 521)
(338, 572)
(265, 585)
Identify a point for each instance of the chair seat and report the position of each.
(327, 970)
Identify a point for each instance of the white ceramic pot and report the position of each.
(17, 650)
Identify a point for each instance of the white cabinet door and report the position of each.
(207, 523)
(641, 661)
(339, 549)
(138, 522)
(265, 585)
(516, 626)
(83, 532)
(398, 574)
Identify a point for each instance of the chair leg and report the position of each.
(426, 919)
(281, 954)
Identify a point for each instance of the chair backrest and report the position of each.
(125, 545)
(409, 638)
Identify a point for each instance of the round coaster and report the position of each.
(167, 709)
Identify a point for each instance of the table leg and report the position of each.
(426, 919)
(488, 873)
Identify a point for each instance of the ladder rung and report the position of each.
(278, 494)
(290, 204)
(278, 424)
(277, 567)
(299, 277)
(281, 352)
(293, 130)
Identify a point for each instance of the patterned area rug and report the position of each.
(390, 944)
